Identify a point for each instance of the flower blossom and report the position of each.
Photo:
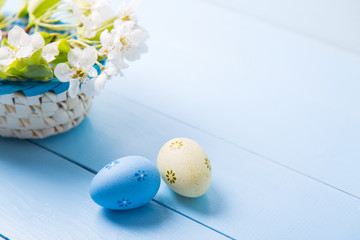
(126, 11)
(81, 68)
(21, 45)
(50, 51)
(100, 11)
(129, 39)
(94, 86)
(125, 41)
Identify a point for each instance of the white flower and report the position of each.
(112, 70)
(127, 10)
(129, 39)
(114, 55)
(23, 45)
(100, 11)
(107, 42)
(86, 21)
(126, 40)
(81, 68)
(101, 81)
(94, 86)
(50, 51)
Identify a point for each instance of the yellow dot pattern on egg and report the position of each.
(185, 167)
(171, 176)
(207, 163)
(176, 145)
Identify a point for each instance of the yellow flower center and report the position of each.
(126, 18)
(79, 73)
(123, 41)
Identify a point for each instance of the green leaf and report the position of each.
(47, 37)
(61, 58)
(50, 37)
(2, 2)
(34, 67)
(35, 58)
(14, 72)
(17, 64)
(101, 58)
(3, 75)
(15, 67)
(37, 8)
(64, 48)
(23, 12)
(36, 72)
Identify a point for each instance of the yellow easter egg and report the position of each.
(185, 167)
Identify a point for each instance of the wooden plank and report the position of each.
(45, 197)
(250, 197)
(331, 21)
(259, 87)
(275, 93)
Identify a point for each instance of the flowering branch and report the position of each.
(94, 38)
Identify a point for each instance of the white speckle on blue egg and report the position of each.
(125, 183)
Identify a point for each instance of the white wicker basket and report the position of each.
(42, 115)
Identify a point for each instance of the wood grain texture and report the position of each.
(281, 95)
(250, 197)
(45, 197)
(329, 21)
(277, 93)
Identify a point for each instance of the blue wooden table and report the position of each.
(270, 89)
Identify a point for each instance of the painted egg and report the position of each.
(185, 167)
(125, 183)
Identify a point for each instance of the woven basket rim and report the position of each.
(27, 80)
(41, 116)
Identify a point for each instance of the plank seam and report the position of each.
(64, 157)
(184, 215)
(242, 148)
(153, 200)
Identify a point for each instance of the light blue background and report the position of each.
(271, 92)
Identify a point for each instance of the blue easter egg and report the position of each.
(125, 183)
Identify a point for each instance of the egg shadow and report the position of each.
(208, 204)
(139, 218)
